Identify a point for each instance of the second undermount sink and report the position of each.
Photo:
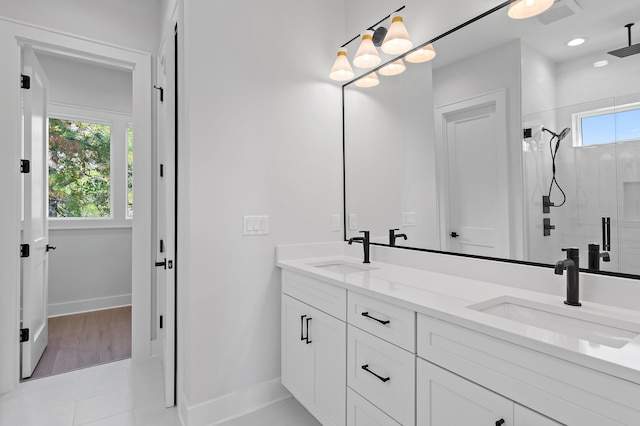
(342, 267)
(587, 326)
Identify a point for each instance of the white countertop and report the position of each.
(448, 297)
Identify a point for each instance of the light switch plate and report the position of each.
(255, 225)
(408, 218)
(353, 221)
(335, 223)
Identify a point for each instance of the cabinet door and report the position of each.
(361, 412)
(328, 337)
(445, 399)
(526, 417)
(297, 355)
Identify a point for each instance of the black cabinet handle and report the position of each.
(302, 327)
(307, 338)
(366, 314)
(383, 379)
(500, 422)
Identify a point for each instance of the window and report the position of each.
(79, 169)
(607, 125)
(90, 168)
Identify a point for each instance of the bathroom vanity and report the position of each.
(383, 344)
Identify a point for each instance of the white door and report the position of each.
(165, 251)
(473, 176)
(36, 232)
(445, 399)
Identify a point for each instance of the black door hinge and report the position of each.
(161, 170)
(25, 81)
(24, 250)
(161, 324)
(161, 92)
(24, 335)
(25, 166)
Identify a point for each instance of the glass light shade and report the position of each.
(424, 54)
(369, 80)
(394, 68)
(341, 69)
(367, 55)
(521, 9)
(397, 40)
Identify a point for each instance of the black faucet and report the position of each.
(393, 236)
(365, 244)
(572, 265)
(595, 255)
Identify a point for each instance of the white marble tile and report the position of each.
(127, 418)
(285, 413)
(57, 416)
(157, 415)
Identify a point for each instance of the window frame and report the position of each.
(119, 124)
(576, 120)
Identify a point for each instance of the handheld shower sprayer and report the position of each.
(554, 151)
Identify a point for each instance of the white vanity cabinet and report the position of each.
(314, 347)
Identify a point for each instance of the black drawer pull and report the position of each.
(302, 317)
(366, 314)
(383, 379)
(500, 422)
(307, 338)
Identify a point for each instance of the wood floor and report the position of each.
(87, 339)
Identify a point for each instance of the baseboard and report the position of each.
(79, 306)
(236, 404)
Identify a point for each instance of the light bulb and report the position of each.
(423, 54)
(369, 80)
(341, 69)
(397, 40)
(367, 55)
(394, 68)
(521, 9)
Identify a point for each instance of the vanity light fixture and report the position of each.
(397, 40)
(521, 9)
(576, 42)
(367, 55)
(394, 68)
(423, 54)
(369, 80)
(341, 69)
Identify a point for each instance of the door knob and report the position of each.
(454, 235)
(163, 264)
(500, 422)
(50, 247)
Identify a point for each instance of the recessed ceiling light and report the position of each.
(600, 64)
(576, 41)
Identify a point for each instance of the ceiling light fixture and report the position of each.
(423, 54)
(367, 55)
(369, 80)
(341, 69)
(576, 42)
(394, 68)
(397, 40)
(521, 9)
(600, 64)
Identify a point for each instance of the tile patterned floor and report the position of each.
(121, 393)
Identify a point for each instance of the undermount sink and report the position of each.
(342, 267)
(590, 327)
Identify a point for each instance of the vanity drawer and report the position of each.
(361, 412)
(385, 320)
(382, 373)
(325, 297)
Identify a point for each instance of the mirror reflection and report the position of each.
(515, 141)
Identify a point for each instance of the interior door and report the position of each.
(35, 268)
(166, 215)
(477, 208)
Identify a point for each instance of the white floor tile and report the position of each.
(127, 418)
(285, 413)
(157, 415)
(57, 416)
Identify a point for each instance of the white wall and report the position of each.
(133, 24)
(264, 137)
(90, 269)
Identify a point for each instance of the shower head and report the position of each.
(631, 49)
